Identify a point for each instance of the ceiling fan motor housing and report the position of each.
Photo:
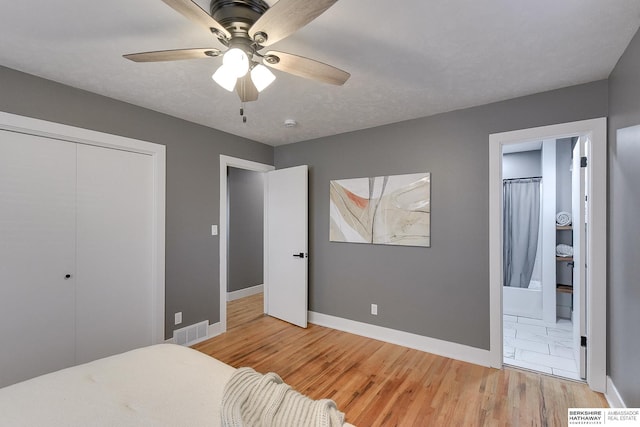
(237, 16)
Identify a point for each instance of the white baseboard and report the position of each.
(258, 289)
(429, 345)
(613, 397)
(213, 330)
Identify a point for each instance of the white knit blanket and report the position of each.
(256, 400)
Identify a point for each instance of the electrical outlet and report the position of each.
(177, 318)
(374, 309)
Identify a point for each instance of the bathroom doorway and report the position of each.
(537, 287)
(560, 340)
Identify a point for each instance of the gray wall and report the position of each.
(524, 164)
(441, 291)
(193, 151)
(246, 228)
(624, 229)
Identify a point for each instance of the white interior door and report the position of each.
(115, 292)
(578, 200)
(37, 252)
(286, 257)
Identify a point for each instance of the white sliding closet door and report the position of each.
(78, 254)
(37, 251)
(115, 293)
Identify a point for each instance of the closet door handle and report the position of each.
(67, 276)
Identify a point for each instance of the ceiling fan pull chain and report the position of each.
(244, 118)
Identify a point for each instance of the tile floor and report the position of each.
(530, 344)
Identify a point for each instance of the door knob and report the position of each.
(67, 276)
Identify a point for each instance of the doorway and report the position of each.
(245, 250)
(285, 250)
(226, 163)
(595, 321)
(539, 311)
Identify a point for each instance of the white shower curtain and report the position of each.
(521, 223)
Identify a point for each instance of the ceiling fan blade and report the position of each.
(305, 67)
(173, 55)
(285, 17)
(192, 11)
(246, 89)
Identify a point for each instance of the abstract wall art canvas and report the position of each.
(385, 210)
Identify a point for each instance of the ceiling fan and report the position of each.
(245, 28)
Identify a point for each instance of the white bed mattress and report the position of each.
(161, 385)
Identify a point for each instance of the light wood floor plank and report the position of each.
(381, 384)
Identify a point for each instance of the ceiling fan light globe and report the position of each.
(225, 78)
(261, 77)
(237, 61)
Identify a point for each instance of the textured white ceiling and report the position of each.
(413, 59)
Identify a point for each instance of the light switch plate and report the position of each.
(214, 230)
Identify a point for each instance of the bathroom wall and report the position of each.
(523, 164)
(549, 264)
(564, 152)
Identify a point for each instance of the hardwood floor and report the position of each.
(381, 384)
(244, 310)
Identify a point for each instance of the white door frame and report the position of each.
(28, 125)
(596, 229)
(226, 161)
